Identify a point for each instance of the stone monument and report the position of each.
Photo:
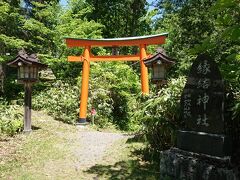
(202, 109)
(204, 147)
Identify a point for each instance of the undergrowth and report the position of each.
(60, 101)
(159, 115)
(11, 118)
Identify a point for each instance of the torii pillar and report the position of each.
(84, 87)
(87, 57)
(144, 70)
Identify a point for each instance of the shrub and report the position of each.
(11, 119)
(159, 115)
(112, 89)
(100, 100)
(61, 100)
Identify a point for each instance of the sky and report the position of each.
(63, 2)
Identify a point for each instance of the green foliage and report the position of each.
(22, 29)
(204, 26)
(188, 23)
(112, 92)
(41, 27)
(113, 89)
(60, 100)
(159, 115)
(121, 18)
(10, 19)
(11, 118)
(11, 88)
(63, 69)
(72, 22)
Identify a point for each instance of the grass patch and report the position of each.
(30, 158)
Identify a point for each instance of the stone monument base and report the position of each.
(176, 164)
(200, 142)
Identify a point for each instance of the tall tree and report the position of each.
(196, 26)
(40, 27)
(11, 31)
(27, 26)
(121, 18)
(72, 22)
(41, 20)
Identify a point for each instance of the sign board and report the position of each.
(93, 112)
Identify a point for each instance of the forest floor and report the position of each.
(55, 150)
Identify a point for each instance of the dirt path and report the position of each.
(55, 150)
(93, 145)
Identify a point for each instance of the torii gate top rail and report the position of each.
(128, 41)
(87, 57)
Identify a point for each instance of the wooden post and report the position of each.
(27, 106)
(93, 119)
(144, 70)
(84, 88)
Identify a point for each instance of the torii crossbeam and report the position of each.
(87, 57)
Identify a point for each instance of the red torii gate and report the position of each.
(87, 57)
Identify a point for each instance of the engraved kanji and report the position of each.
(204, 83)
(203, 68)
(187, 114)
(187, 106)
(203, 100)
(202, 120)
